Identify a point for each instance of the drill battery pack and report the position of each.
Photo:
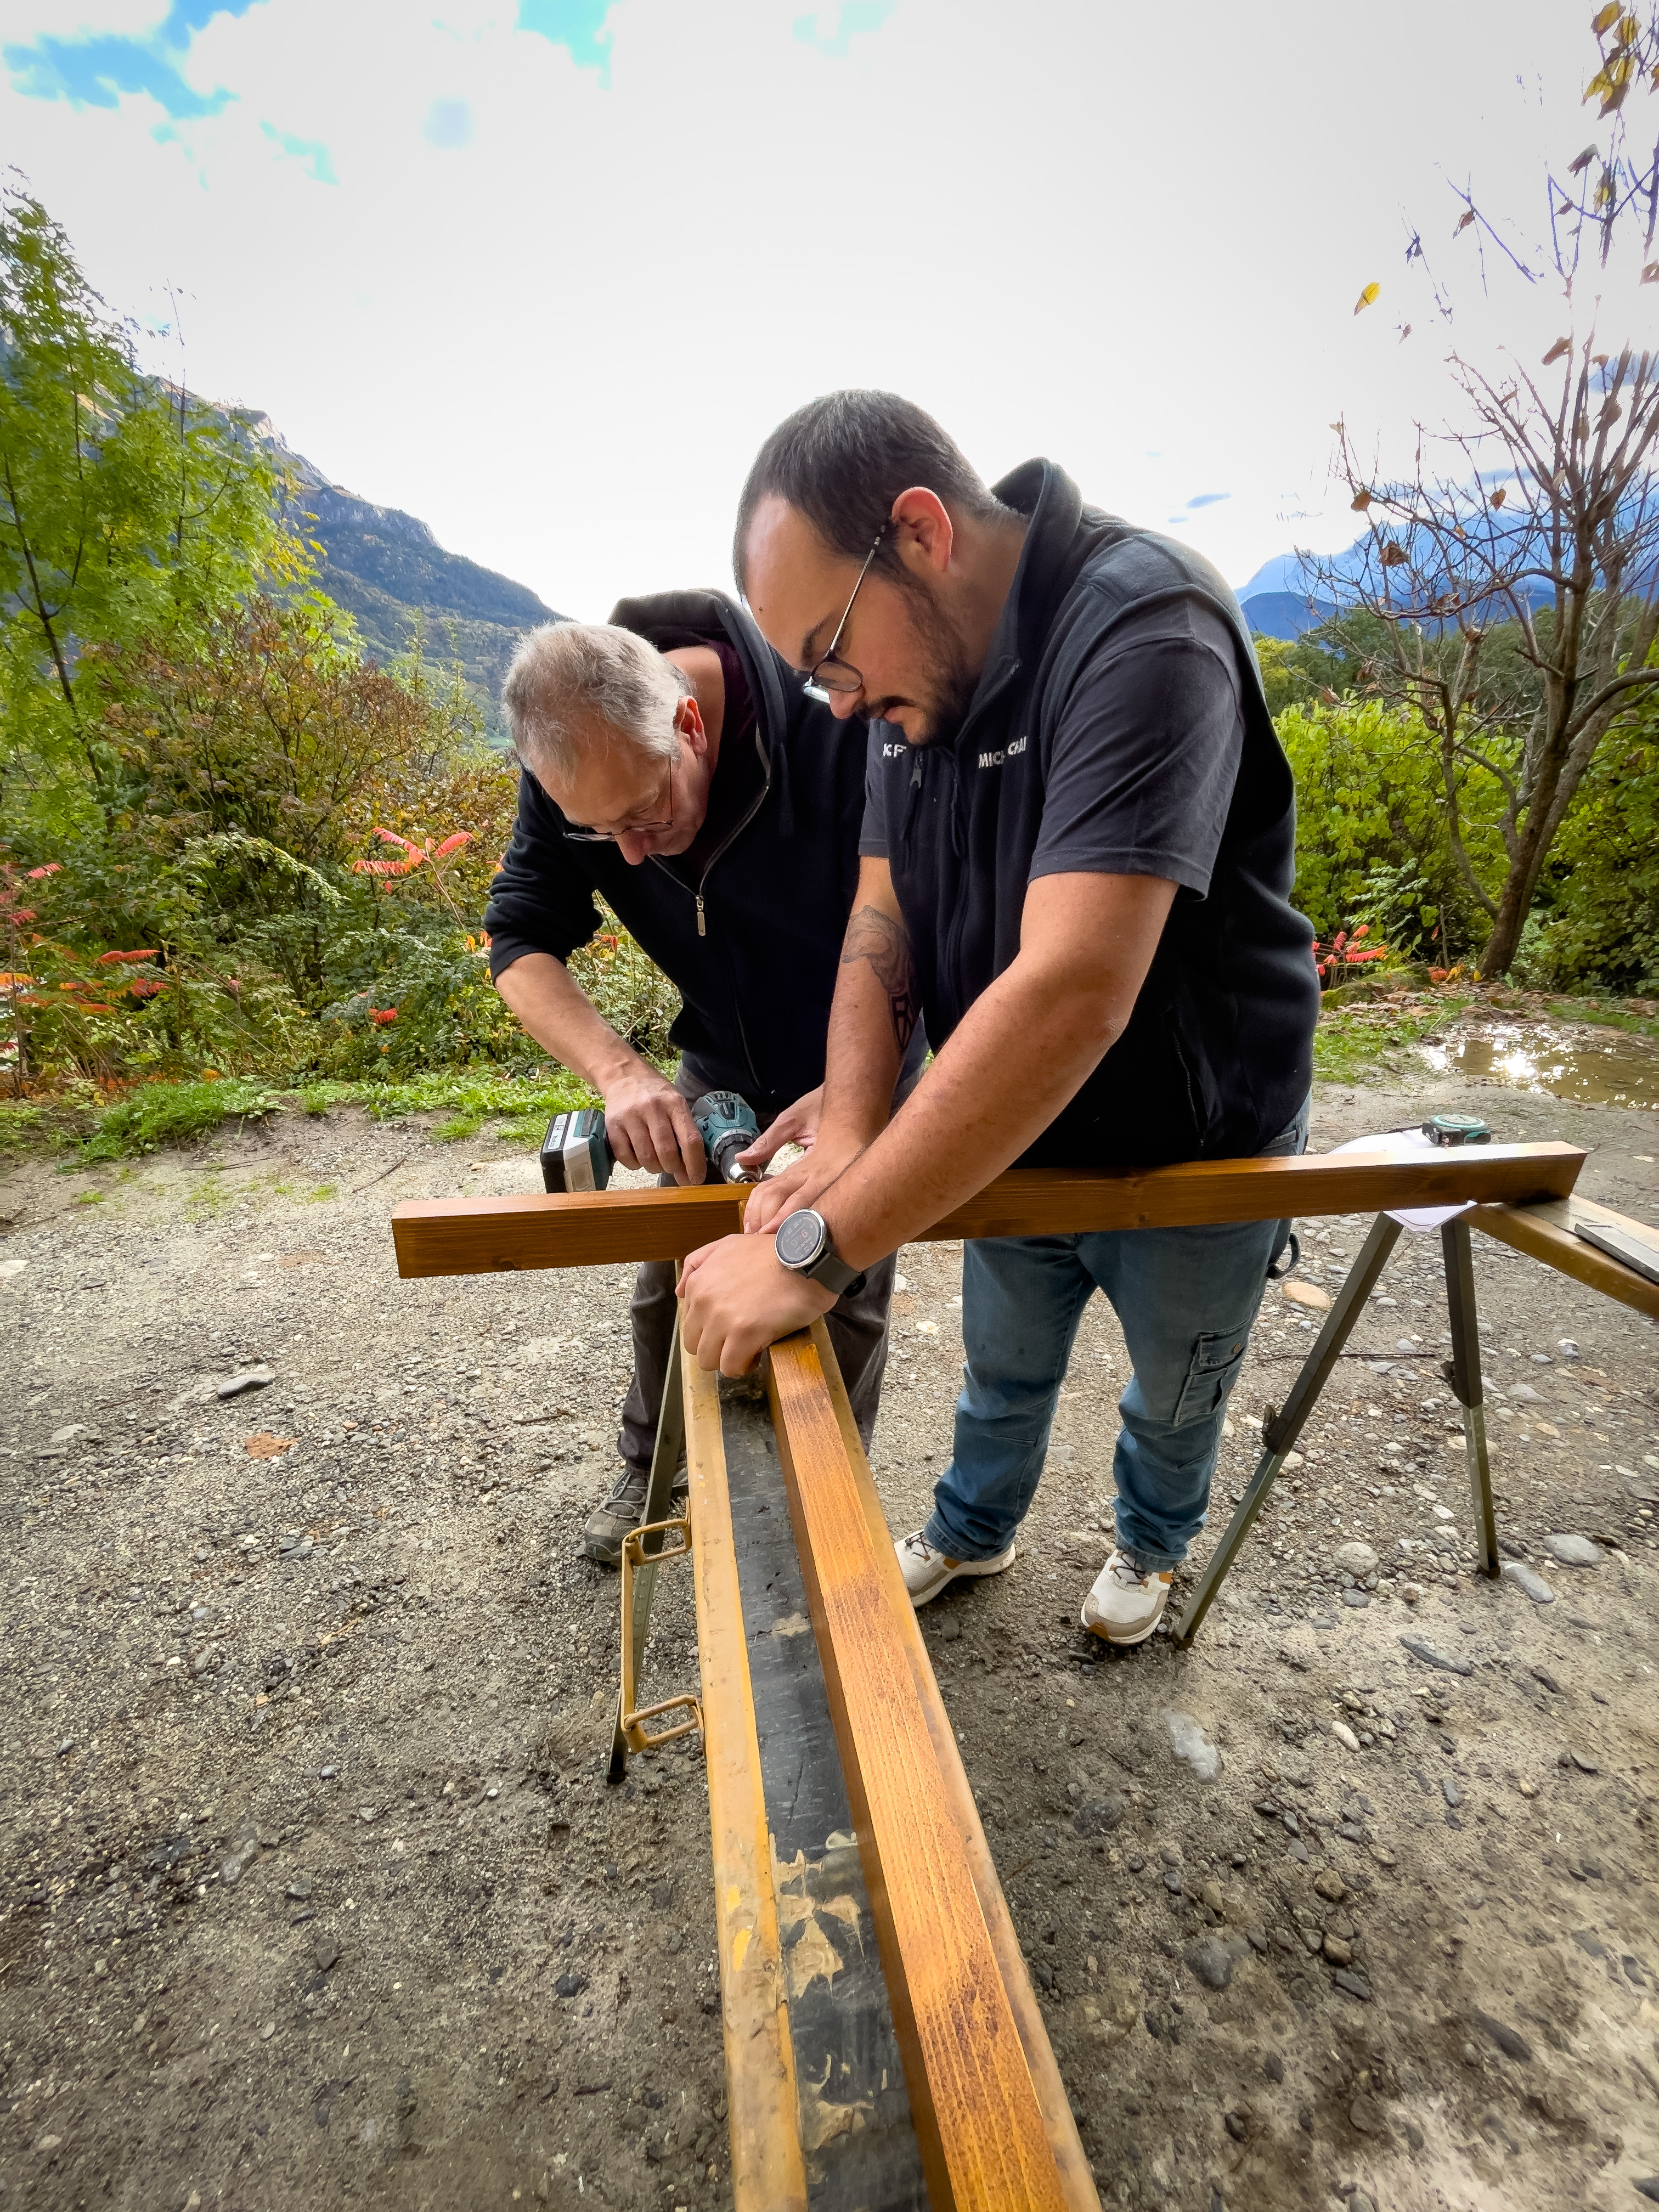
(575, 1152)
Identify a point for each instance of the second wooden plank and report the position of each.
(977, 2115)
(1545, 1232)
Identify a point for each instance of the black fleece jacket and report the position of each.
(752, 939)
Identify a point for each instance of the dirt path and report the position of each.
(312, 1892)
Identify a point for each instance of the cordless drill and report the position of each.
(576, 1154)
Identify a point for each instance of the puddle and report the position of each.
(1576, 1064)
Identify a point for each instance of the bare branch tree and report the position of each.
(1603, 190)
(1537, 517)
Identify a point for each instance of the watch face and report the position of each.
(800, 1239)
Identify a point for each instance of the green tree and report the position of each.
(1597, 918)
(126, 508)
(1515, 578)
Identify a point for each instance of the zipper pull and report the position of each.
(702, 927)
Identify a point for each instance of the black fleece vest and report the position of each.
(1217, 1057)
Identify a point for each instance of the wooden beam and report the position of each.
(491, 1236)
(1545, 1232)
(768, 2171)
(853, 2095)
(983, 2140)
(560, 1228)
(1077, 2184)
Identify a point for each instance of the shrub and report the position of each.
(1597, 918)
(1370, 827)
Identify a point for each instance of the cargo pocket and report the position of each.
(1215, 1360)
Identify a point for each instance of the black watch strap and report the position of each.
(835, 1275)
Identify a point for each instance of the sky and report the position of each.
(545, 272)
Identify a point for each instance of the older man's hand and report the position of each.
(650, 1126)
(736, 1298)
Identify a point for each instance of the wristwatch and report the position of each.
(804, 1245)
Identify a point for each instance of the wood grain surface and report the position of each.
(768, 2171)
(983, 2141)
(857, 2136)
(1077, 2184)
(559, 1229)
(567, 1229)
(1545, 1232)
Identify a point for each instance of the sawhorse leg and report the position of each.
(1280, 1430)
(659, 1491)
(1462, 1371)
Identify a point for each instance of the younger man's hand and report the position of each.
(796, 1125)
(736, 1298)
(802, 1182)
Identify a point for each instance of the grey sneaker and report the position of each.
(608, 1523)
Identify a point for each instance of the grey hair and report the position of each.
(574, 685)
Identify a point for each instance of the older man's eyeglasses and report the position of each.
(830, 672)
(631, 828)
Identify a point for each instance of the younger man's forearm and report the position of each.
(871, 1026)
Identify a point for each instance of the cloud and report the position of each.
(578, 26)
(315, 156)
(93, 69)
(94, 72)
(185, 17)
(448, 124)
(850, 17)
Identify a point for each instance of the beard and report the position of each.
(946, 680)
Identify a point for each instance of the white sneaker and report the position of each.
(1125, 1605)
(927, 1571)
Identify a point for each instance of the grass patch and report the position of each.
(458, 1126)
(1351, 1040)
(158, 1114)
(472, 1097)
(1603, 1015)
(20, 1126)
(524, 1129)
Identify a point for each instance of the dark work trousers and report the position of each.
(856, 1326)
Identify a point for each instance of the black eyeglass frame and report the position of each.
(818, 685)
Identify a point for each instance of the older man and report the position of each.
(1077, 860)
(674, 765)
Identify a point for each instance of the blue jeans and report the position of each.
(1186, 1299)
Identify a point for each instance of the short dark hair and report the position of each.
(842, 461)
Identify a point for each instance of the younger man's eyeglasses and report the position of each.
(830, 672)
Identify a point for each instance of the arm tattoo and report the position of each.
(874, 936)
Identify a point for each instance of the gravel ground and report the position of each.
(311, 1888)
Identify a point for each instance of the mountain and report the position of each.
(386, 568)
(1276, 602)
(1285, 614)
